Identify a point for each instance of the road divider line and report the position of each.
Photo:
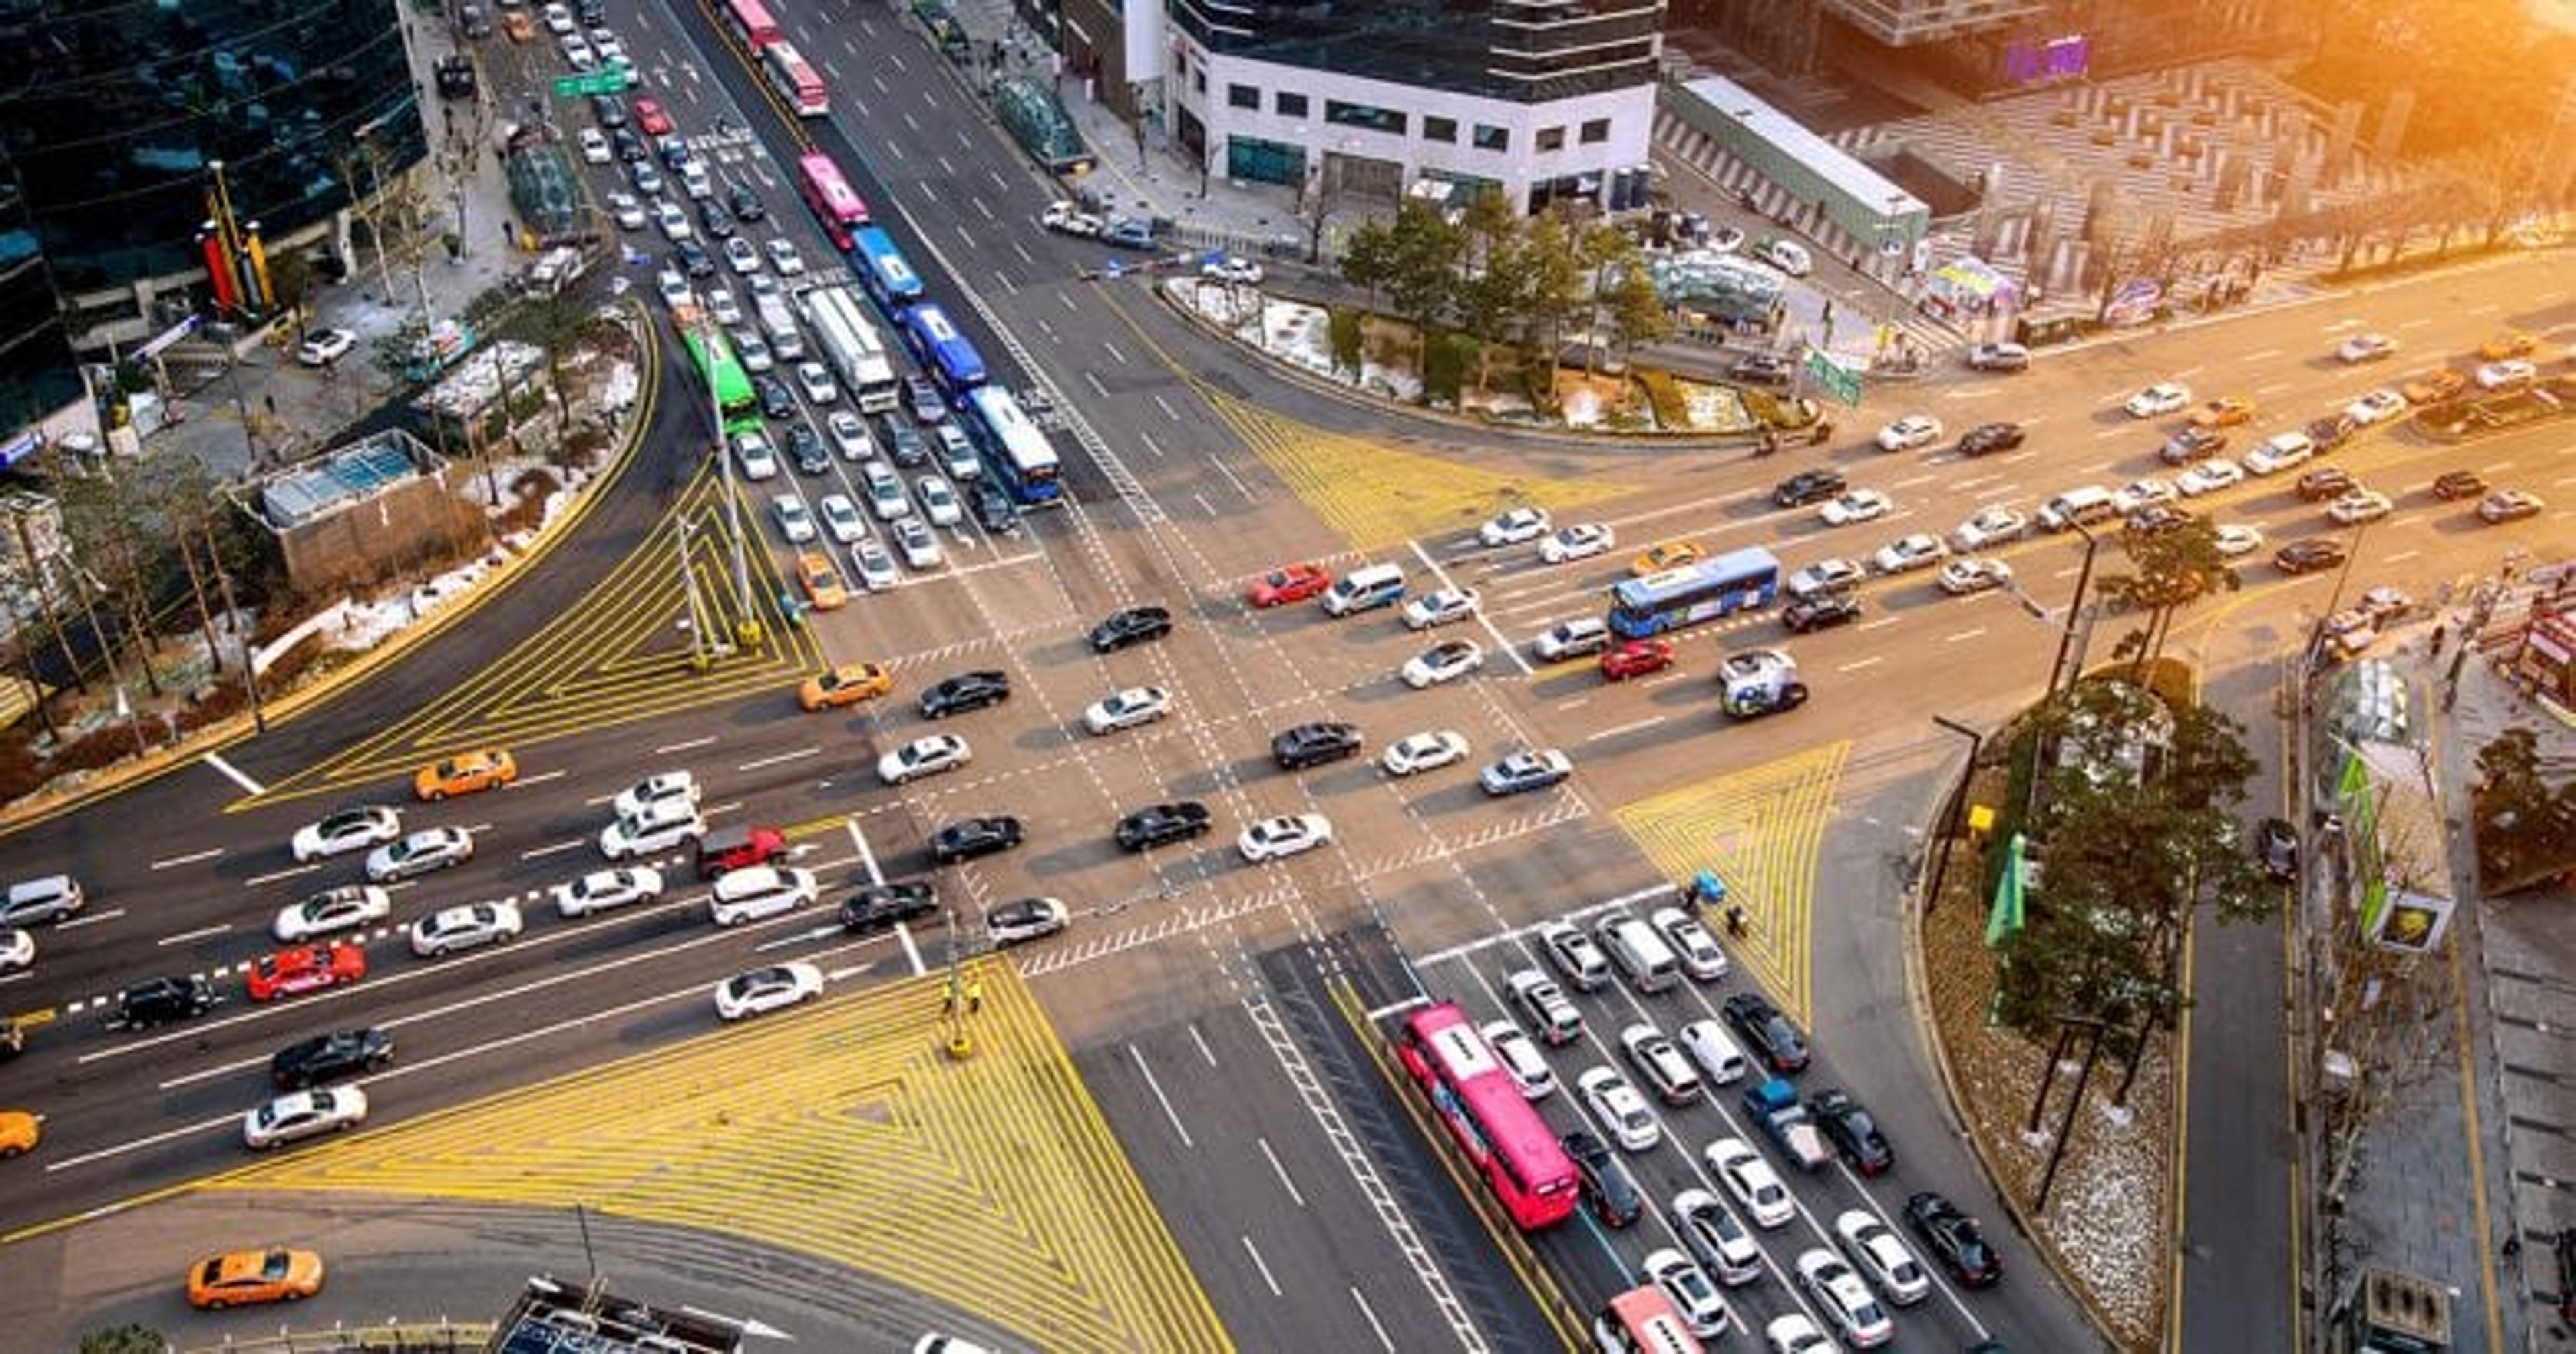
(233, 774)
(867, 858)
(200, 933)
(911, 951)
(167, 862)
(273, 876)
(779, 760)
(1631, 727)
(1281, 1170)
(540, 852)
(1262, 1267)
(1138, 1055)
(684, 745)
(538, 779)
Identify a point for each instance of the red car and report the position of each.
(1636, 658)
(1293, 583)
(650, 117)
(306, 968)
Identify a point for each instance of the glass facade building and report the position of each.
(1521, 51)
(115, 115)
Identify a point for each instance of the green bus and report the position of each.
(736, 407)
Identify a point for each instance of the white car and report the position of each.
(288, 1118)
(1233, 270)
(885, 493)
(1439, 607)
(2377, 406)
(1514, 527)
(1127, 709)
(1583, 540)
(2358, 506)
(654, 791)
(1878, 1253)
(2365, 348)
(1793, 1333)
(1725, 1249)
(2238, 538)
(464, 928)
(938, 501)
(322, 347)
(1693, 1294)
(849, 434)
(1826, 576)
(629, 214)
(773, 988)
(1442, 663)
(2511, 374)
(1521, 1060)
(659, 827)
(794, 523)
(1026, 919)
(784, 258)
(2137, 494)
(1068, 218)
(594, 146)
(1751, 1181)
(1971, 574)
(742, 256)
(603, 889)
(340, 909)
(1786, 255)
(753, 350)
(2208, 477)
(1907, 553)
(347, 830)
(1692, 945)
(558, 20)
(920, 549)
(2164, 397)
(1572, 639)
(1843, 1299)
(2279, 453)
(815, 381)
(758, 459)
(924, 757)
(874, 567)
(1284, 836)
(673, 288)
(1859, 505)
(1991, 526)
(17, 949)
(841, 519)
(1418, 752)
(1909, 432)
(1620, 1108)
(722, 306)
(429, 849)
(577, 53)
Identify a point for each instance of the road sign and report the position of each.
(1840, 381)
(608, 79)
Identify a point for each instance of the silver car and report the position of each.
(464, 928)
(875, 568)
(429, 849)
(920, 549)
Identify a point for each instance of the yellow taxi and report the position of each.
(19, 1132)
(847, 684)
(239, 1278)
(822, 582)
(1669, 555)
(2511, 343)
(465, 773)
(2224, 412)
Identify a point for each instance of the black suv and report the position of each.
(805, 447)
(1821, 612)
(2324, 482)
(2307, 557)
(608, 110)
(968, 838)
(901, 442)
(1852, 1132)
(745, 203)
(924, 401)
(628, 146)
(1608, 1190)
(714, 219)
(336, 1056)
(1985, 439)
(1162, 825)
(694, 259)
(1808, 486)
(1135, 625)
(2331, 431)
(1954, 1240)
(963, 692)
(1767, 1033)
(158, 1001)
(879, 906)
(995, 510)
(2459, 484)
(775, 401)
(2155, 519)
(1314, 744)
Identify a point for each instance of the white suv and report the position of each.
(761, 891)
(661, 826)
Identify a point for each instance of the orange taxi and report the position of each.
(465, 773)
(1668, 555)
(2511, 343)
(237, 1278)
(847, 684)
(2224, 412)
(2433, 387)
(19, 1132)
(822, 582)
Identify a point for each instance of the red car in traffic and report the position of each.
(1636, 658)
(649, 116)
(306, 968)
(1292, 583)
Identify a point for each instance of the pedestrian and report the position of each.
(1735, 920)
(2438, 633)
(270, 401)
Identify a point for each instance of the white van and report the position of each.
(761, 891)
(1709, 1045)
(2078, 507)
(1640, 955)
(1370, 585)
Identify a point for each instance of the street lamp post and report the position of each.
(1958, 808)
(2074, 609)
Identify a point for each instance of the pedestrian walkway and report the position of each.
(845, 1131)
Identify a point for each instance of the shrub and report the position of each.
(1445, 358)
(1343, 332)
(129, 1338)
(1538, 381)
(1672, 412)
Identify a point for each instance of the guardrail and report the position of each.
(393, 1337)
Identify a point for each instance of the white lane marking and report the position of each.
(1383, 1342)
(232, 774)
(1281, 1170)
(538, 779)
(1152, 448)
(272, 877)
(208, 854)
(1262, 1267)
(1630, 727)
(1112, 350)
(1206, 1054)
(1964, 634)
(784, 757)
(200, 933)
(558, 848)
(1501, 642)
(1856, 665)
(1650, 893)
(911, 952)
(1157, 1088)
(2261, 354)
(684, 745)
(867, 858)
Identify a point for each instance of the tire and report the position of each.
(216, 1304)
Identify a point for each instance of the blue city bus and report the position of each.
(1015, 447)
(884, 271)
(1738, 580)
(941, 350)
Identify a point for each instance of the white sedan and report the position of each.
(2208, 477)
(1879, 1253)
(1284, 836)
(1973, 574)
(1439, 607)
(660, 788)
(1441, 663)
(2137, 494)
(421, 852)
(594, 146)
(1860, 505)
(302, 1115)
(1233, 270)
(1583, 540)
(1127, 709)
(604, 889)
(783, 257)
(2164, 397)
(1908, 553)
(465, 928)
(794, 522)
(628, 211)
(2507, 375)
(1514, 527)
(924, 757)
(1756, 1187)
(2238, 538)
(772, 988)
(1620, 1107)
(874, 567)
(339, 909)
(1991, 526)
(938, 501)
(1427, 751)
(2365, 348)
(347, 830)
(1910, 432)
(2378, 406)
(2358, 506)
(841, 519)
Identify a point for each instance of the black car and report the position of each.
(2331, 431)
(776, 400)
(879, 906)
(2155, 519)
(2276, 844)
(1985, 439)
(2324, 482)
(674, 152)
(594, 14)
(324, 1058)
(628, 146)
(2307, 557)
(1822, 612)
(1954, 1240)
(694, 259)
(1162, 825)
(608, 110)
(745, 203)
(805, 447)
(1134, 625)
(1607, 1188)
(1314, 744)
(995, 510)
(2459, 484)
(1852, 1132)
(456, 76)
(1761, 369)
(1768, 1034)
(906, 446)
(923, 399)
(158, 1001)
(2192, 444)
(969, 838)
(963, 692)
(1808, 486)
(714, 219)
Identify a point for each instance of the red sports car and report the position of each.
(306, 968)
(650, 117)
(1636, 658)
(1292, 583)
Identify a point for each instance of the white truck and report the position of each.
(778, 325)
(1759, 682)
(852, 345)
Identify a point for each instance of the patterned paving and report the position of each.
(1762, 830)
(842, 1131)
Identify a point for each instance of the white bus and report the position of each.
(857, 354)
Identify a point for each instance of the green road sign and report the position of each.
(1830, 372)
(609, 79)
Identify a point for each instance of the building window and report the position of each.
(1596, 131)
(1550, 139)
(1288, 105)
(1493, 138)
(1440, 129)
(1362, 115)
(1198, 81)
(1243, 96)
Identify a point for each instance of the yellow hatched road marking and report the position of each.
(1762, 831)
(842, 1131)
